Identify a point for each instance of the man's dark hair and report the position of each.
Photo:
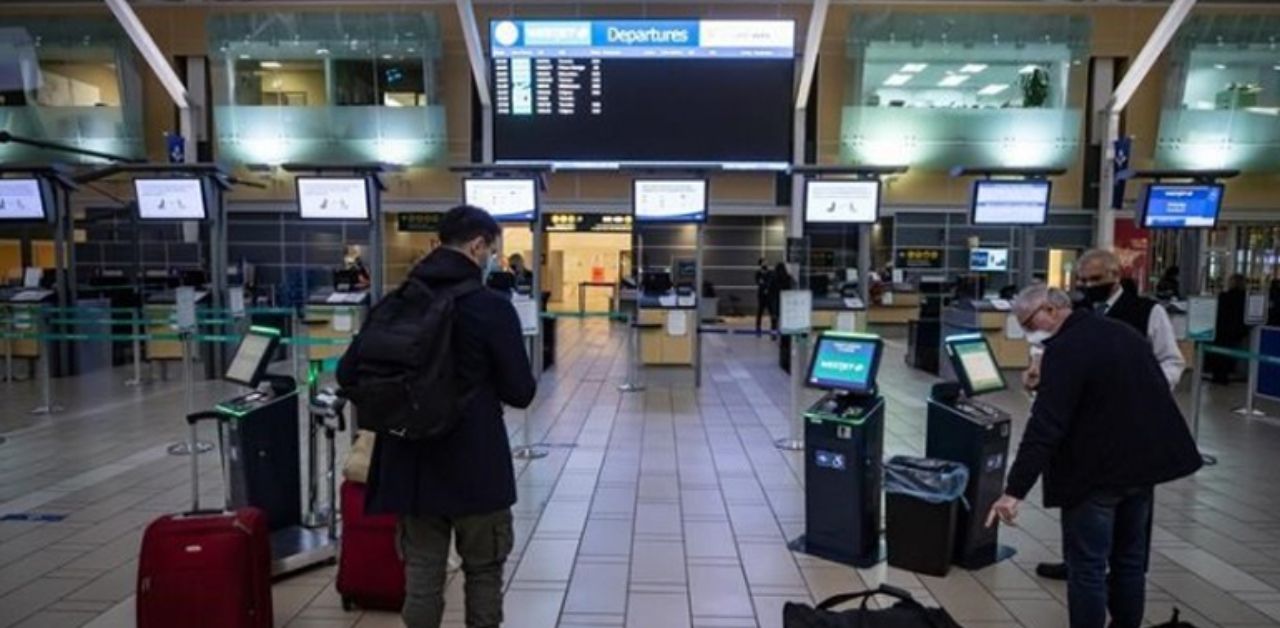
(465, 223)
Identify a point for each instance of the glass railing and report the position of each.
(942, 138)
(1244, 139)
(273, 134)
(95, 128)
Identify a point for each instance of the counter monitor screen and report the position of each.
(1182, 206)
(845, 362)
(989, 260)
(21, 200)
(250, 360)
(1015, 203)
(507, 200)
(170, 199)
(974, 364)
(333, 198)
(611, 92)
(842, 202)
(669, 200)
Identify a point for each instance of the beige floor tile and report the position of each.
(658, 610)
(532, 609)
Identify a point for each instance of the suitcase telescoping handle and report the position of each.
(192, 420)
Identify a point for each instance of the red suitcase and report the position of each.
(205, 568)
(370, 572)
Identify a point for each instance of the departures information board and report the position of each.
(643, 91)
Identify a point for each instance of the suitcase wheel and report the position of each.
(347, 604)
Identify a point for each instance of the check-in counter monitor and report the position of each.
(962, 429)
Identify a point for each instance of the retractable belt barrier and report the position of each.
(1197, 383)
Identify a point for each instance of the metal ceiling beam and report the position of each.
(159, 64)
(479, 73)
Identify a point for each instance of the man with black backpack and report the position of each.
(430, 372)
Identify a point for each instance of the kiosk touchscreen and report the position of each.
(975, 434)
(251, 358)
(844, 443)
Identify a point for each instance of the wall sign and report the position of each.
(586, 223)
(917, 258)
(418, 222)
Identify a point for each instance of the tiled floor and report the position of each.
(660, 510)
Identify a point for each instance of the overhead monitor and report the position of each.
(252, 356)
(669, 200)
(1010, 203)
(842, 202)
(843, 361)
(1182, 205)
(989, 260)
(612, 92)
(170, 199)
(22, 200)
(507, 200)
(974, 364)
(333, 198)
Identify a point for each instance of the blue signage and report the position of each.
(1181, 206)
(1123, 148)
(829, 460)
(1269, 374)
(642, 38)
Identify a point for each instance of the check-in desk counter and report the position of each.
(895, 308)
(668, 330)
(161, 314)
(838, 314)
(335, 316)
(20, 308)
(996, 323)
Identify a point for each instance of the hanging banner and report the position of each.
(1123, 147)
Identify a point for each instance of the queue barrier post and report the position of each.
(795, 441)
(46, 369)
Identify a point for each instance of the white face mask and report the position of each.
(1038, 337)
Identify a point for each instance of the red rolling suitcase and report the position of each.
(205, 568)
(370, 572)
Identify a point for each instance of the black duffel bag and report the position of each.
(906, 612)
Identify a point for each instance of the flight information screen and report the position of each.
(1182, 206)
(603, 92)
(21, 199)
(1010, 202)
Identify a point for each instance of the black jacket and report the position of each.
(469, 471)
(1103, 417)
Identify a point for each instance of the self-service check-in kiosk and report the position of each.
(844, 441)
(962, 429)
(261, 459)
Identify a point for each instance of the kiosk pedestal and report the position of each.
(843, 474)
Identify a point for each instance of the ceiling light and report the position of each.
(1219, 66)
(953, 80)
(244, 56)
(1276, 68)
(912, 68)
(1028, 69)
(387, 57)
(322, 51)
(993, 89)
(273, 65)
(973, 68)
(898, 79)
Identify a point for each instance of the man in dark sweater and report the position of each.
(1104, 430)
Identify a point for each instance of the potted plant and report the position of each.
(1035, 88)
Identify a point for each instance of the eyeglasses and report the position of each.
(1026, 322)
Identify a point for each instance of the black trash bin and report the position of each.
(922, 498)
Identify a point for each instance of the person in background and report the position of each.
(779, 281)
(1099, 284)
(763, 278)
(1169, 287)
(1230, 330)
(352, 261)
(523, 276)
(1104, 431)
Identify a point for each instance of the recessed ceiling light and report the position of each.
(953, 80)
(1028, 69)
(973, 68)
(1219, 66)
(993, 89)
(244, 56)
(386, 56)
(912, 68)
(1276, 68)
(270, 64)
(322, 51)
(898, 79)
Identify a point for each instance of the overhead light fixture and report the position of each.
(387, 57)
(244, 57)
(898, 79)
(973, 68)
(322, 51)
(1028, 69)
(953, 80)
(912, 68)
(993, 89)
(1219, 66)
(271, 65)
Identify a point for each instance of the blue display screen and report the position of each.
(624, 38)
(844, 364)
(1182, 206)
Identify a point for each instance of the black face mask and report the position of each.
(1099, 293)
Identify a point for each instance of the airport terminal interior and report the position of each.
(764, 256)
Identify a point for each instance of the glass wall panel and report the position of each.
(70, 80)
(1222, 99)
(939, 90)
(328, 87)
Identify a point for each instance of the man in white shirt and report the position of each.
(1098, 278)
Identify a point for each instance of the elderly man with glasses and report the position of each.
(1104, 430)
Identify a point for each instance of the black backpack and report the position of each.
(399, 370)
